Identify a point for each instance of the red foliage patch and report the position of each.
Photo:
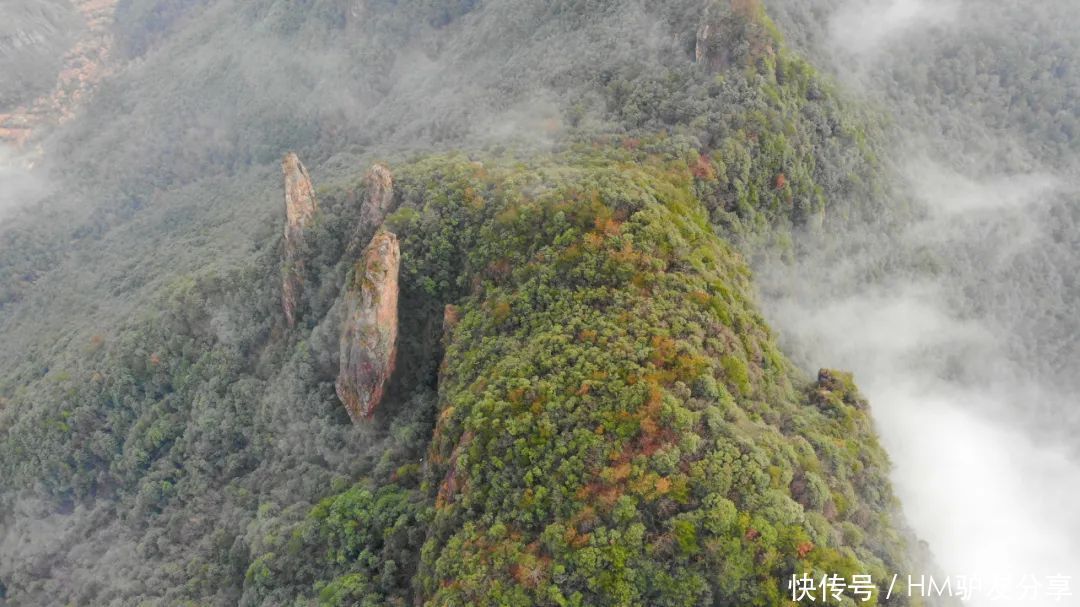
(703, 169)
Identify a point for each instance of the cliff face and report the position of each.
(369, 329)
(300, 208)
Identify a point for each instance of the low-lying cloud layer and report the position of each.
(991, 498)
(19, 184)
(954, 347)
(862, 28)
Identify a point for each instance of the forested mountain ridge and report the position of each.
(601, 416)
(54, 53)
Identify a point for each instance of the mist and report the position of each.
(950, 341)
(960, 328)
(861, 28)
(20, 185)
(992, 499)
(173, 165)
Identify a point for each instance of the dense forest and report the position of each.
(600, 208)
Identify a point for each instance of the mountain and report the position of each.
(365, 302)
(53, 53)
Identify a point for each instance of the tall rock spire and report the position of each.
(378, 198)
(380, 193)
(369, 330)
(300, 208)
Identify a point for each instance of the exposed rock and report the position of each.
(300, 208)
(300, 203)
(450, 318)
(452, 482)
(380, 193)
(379, 184)
(702, 46)
(369, 328)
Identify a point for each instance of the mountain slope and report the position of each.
(609, 421)
(616, 426)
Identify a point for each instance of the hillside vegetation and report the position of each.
(587, 407)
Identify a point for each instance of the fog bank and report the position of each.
(861, 28)
(19, 184)
(958, 340)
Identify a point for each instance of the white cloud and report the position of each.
(993, 497)
(863, 26)
(19, 184)
(948, 192)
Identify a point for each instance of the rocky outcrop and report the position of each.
(300, 203)
(450, 318)
(300, 208)
(378, 197)
(701, 48)
(380, 193)
(369, 327)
